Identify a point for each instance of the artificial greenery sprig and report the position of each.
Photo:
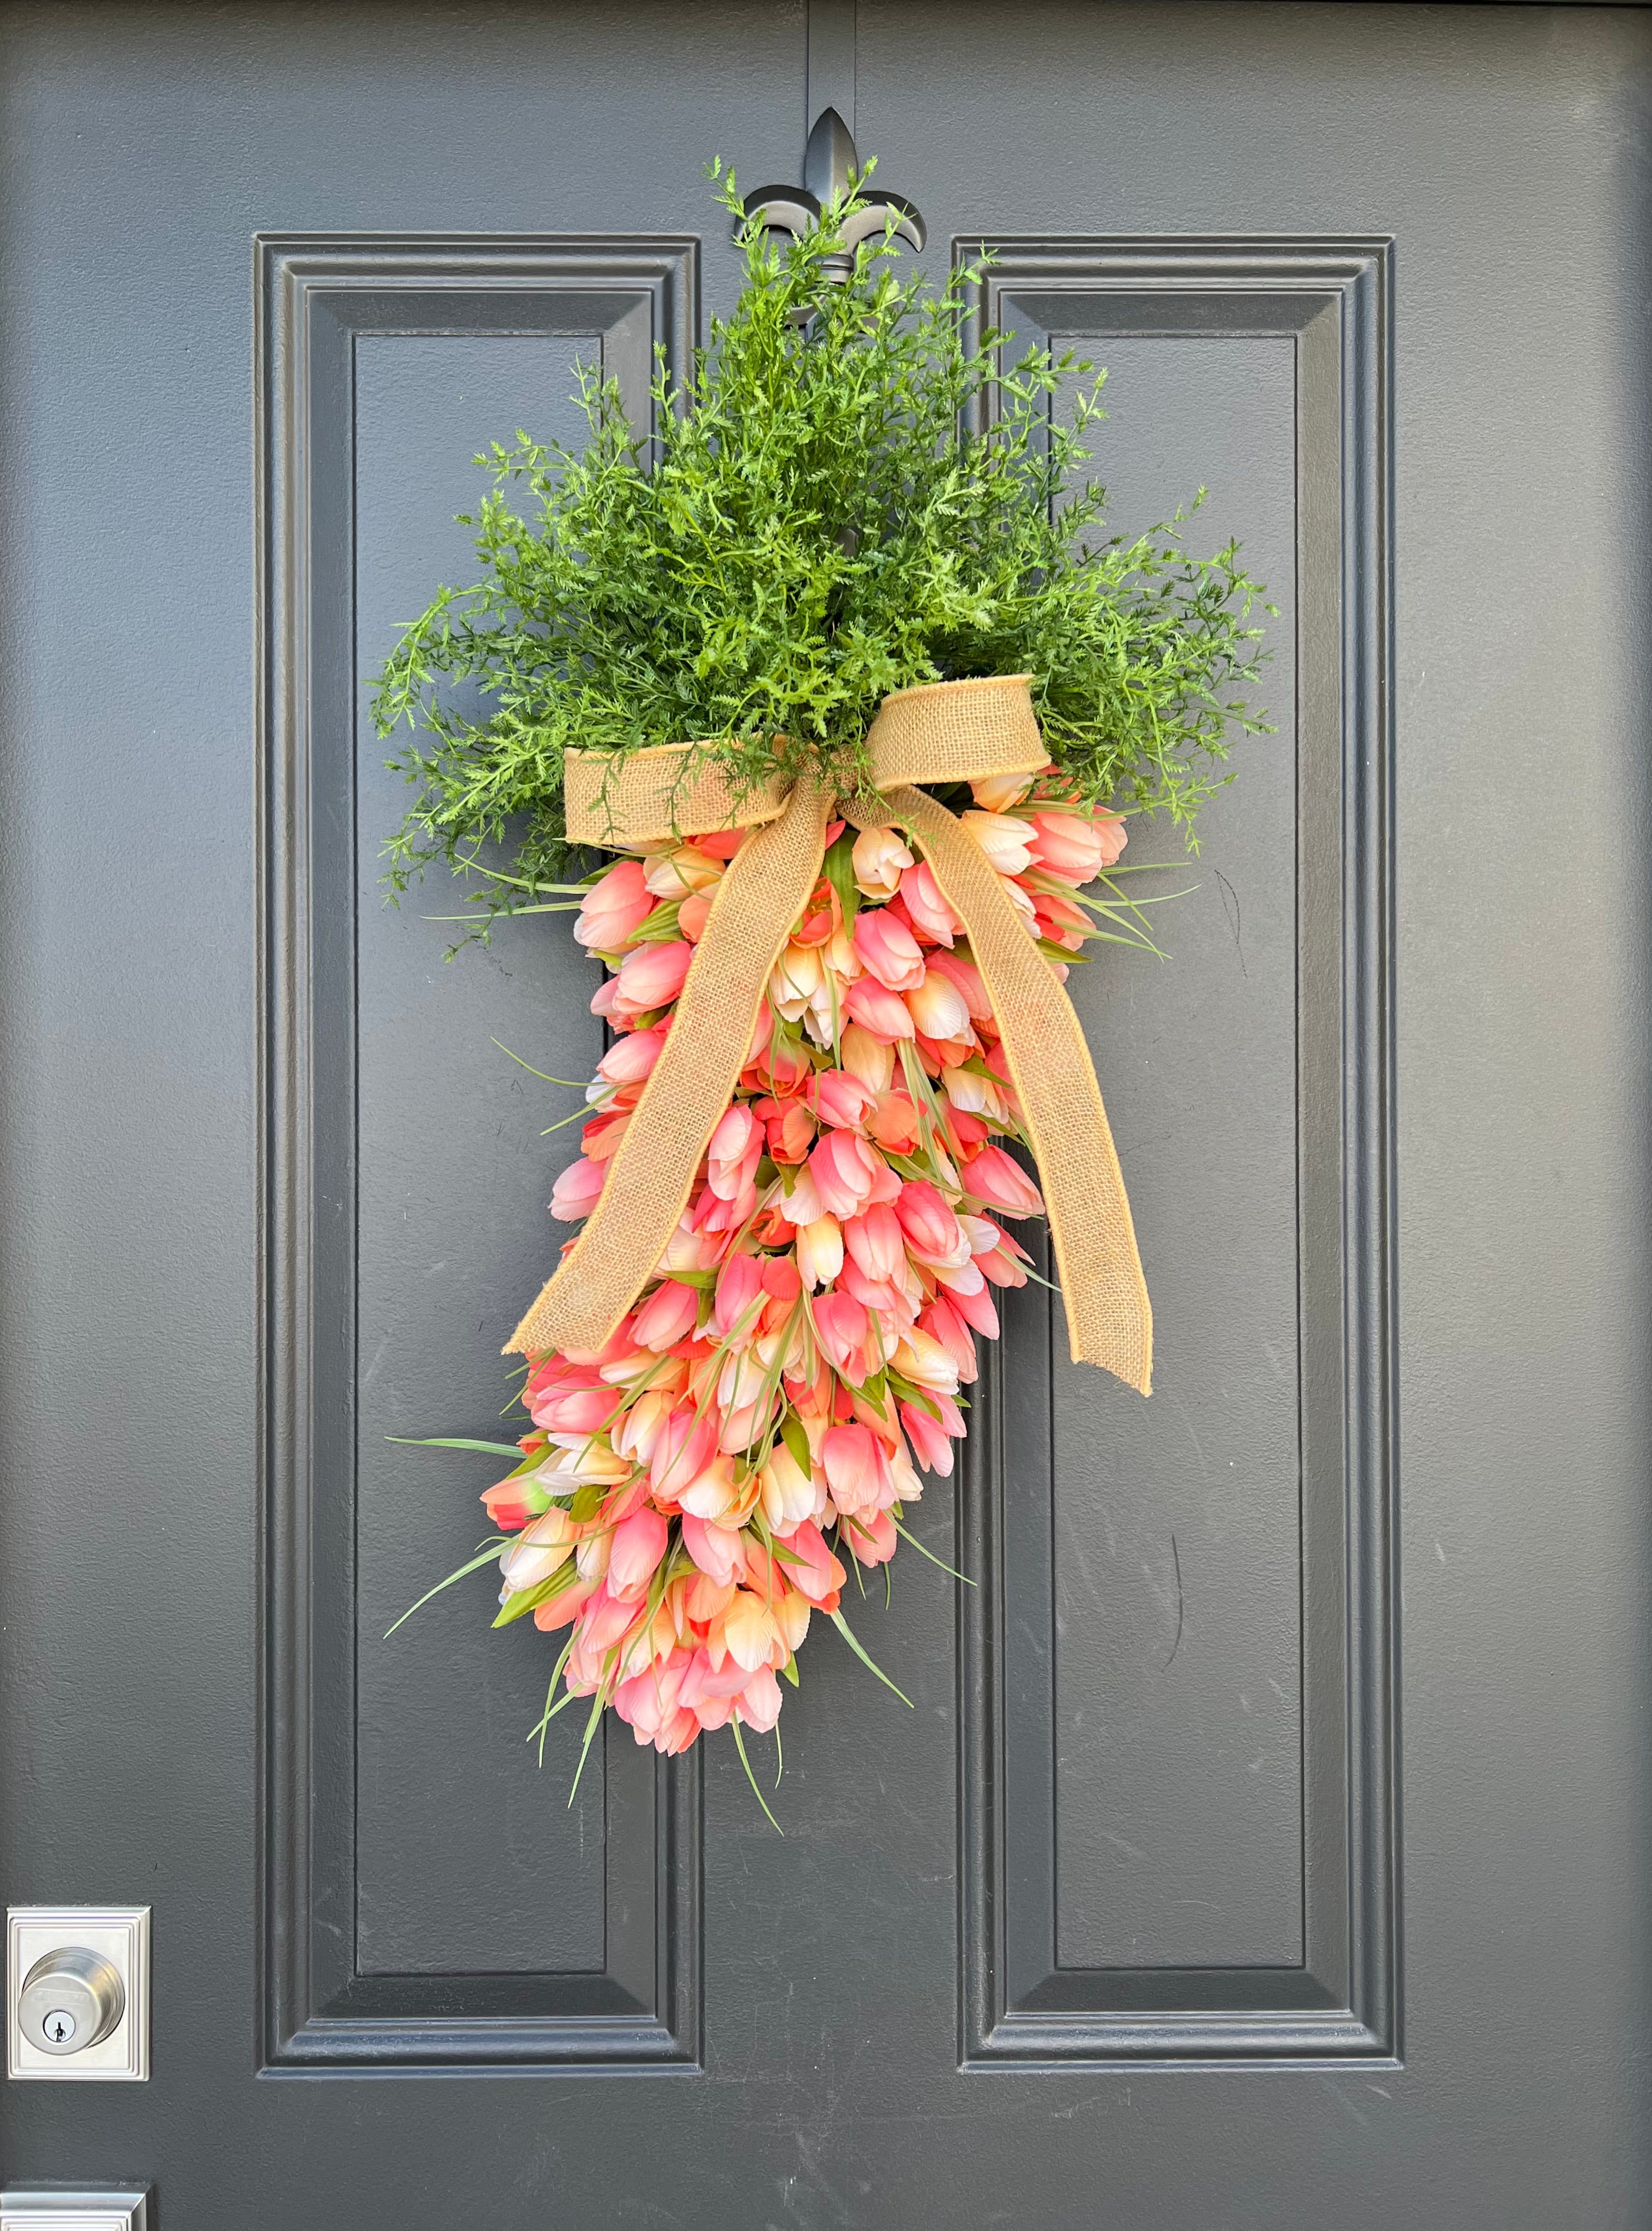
(847, 496)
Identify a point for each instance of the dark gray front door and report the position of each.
(1267, 1846)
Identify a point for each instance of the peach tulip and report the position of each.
(930, 913)
(879, 860)
(869, 1059)
(997, 793)
(1077, 849)
(1004, 838)
(820, 1252)
(939, 1008)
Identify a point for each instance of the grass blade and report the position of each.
(847, 1632)
(740, 1747)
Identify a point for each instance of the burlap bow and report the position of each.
(944, 732)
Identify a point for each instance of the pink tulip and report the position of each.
(942, 1322)
(1004, 838)
(692, 916)
(651, 976)
(932, 1232)
(976, 1309)
(715, 1550)
(886, 1303)
(612, 908)
(840, 1327)
(732, 1156)
(879, 859)
(572, 1410)
(686, 1445)
(888, 949)
(606, 1620)
(874, 1240)
(667, 1316)
(843, 1168)
(880, 1012)
(1077, 850)
(1000, 1255)
(635, 1554)
(930, 1445)
(926, 906)
(871, 1535)
(842, 1099)
(856, 1469)
(630, 1058)
(939, 1008)
(574, 1194)
(738, 1285)
(648, 1702)
(991, 1175)
(819, 1576)
(759, 1703)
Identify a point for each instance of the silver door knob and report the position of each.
(70, 1999)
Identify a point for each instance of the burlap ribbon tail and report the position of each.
(945, 732)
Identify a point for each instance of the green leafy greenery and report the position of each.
(809, 529)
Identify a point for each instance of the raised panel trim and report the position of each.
(1018, 2005)
(318, 2012)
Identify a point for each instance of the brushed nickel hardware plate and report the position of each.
(126, 2209)
(77, 1971)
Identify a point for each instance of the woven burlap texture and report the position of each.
(943, 732)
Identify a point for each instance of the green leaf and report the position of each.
(843, 1628)
(484, 1448)
(489, 1556)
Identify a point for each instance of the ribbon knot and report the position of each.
(939, 733)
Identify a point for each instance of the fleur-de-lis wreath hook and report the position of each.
(830, 168)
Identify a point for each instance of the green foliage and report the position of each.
(808, 530)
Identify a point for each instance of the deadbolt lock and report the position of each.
(71, 1998)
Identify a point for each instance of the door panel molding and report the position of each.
(314, 296)
(1019, 2005)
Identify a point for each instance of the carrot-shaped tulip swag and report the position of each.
(835, 943)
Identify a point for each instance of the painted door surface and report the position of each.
(1267, 1844)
